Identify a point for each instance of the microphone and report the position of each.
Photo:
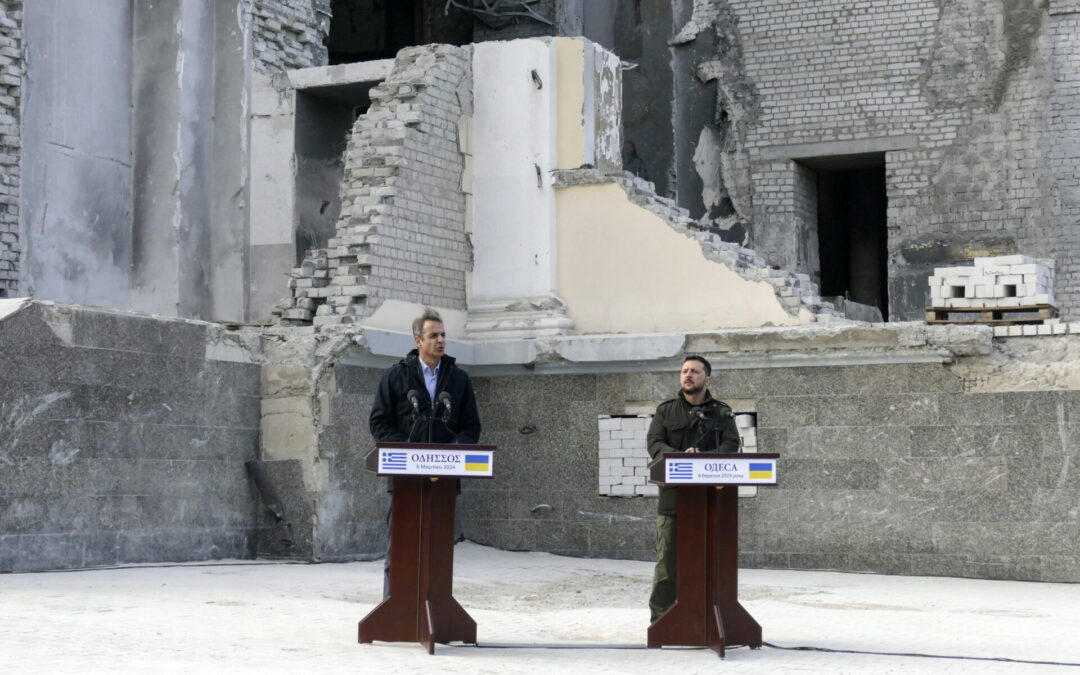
(697, 412)
(414, 398)
(445, 398)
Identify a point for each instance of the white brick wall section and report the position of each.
(623, 457)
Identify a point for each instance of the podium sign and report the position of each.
(707, 612)
(421, 606)
(727, 470)
(434, 460)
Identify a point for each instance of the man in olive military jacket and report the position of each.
(687, 423)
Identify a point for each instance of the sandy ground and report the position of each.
(536, 613)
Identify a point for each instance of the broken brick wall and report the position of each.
(11, 69)
(954, 98)
(288, 34)
(401, 234)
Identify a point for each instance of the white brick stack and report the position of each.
(1000, 282)
(624, 458)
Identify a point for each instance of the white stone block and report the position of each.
(1024, 269)
(605, 481)
(609, 423)
(1006, 260)
(647, 490)
(1060, 328)
(604, 436)
(747, 491)
(1043, 329)
(1030, 329)
(959, 271)
(744, 421)
(1001, 331)
(622, 490)
(1016, 331)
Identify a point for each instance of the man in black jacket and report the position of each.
(426, 373)
(443, 406)
(693, 421)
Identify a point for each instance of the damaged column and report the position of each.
(539, 106)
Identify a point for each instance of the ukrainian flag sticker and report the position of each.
(761, 470)
(476, 463)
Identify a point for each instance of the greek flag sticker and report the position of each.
(394, 461)
(680, 470)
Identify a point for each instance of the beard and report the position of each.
(692, 390)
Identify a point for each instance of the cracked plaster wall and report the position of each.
(134, 170)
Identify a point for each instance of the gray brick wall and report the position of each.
(1063, 153)
(11, 70)
(401, 234)
(122, 441)
(288, 34)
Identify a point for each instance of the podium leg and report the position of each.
(684, 623)
(706, 612)
(737, 626)
(420, 607)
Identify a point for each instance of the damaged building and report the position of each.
(219, 218)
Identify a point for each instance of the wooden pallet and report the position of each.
(998, 316)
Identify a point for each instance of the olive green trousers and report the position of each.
(663, 590)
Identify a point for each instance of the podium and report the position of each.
(707, 612)
(420, 606)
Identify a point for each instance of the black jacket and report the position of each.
(392, 417)
(674, 429)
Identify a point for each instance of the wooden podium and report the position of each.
(707, 612)
(420, 606)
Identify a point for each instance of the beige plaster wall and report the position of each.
(621, 269)
(570, 103)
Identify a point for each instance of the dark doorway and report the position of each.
(852, 238)
(367, 30)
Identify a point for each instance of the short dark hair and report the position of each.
(704, 362)
(418, 323)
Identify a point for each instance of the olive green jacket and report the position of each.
(674, 429)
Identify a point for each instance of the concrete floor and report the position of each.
(535, 613)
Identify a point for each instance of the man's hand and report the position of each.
(691, 450)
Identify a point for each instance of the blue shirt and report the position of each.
(430, 377)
